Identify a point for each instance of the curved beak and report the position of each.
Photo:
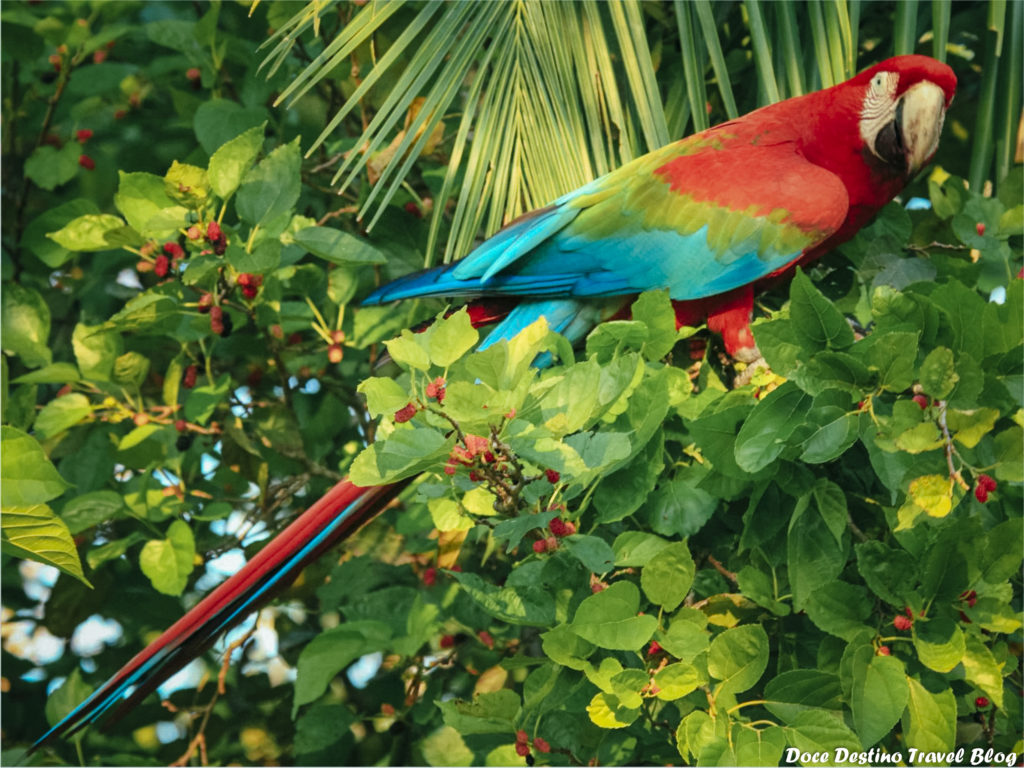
(924, 109)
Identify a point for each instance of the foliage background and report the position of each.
(805, 537)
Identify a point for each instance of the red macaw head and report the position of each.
(904, 103)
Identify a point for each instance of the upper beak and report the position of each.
(924, 109)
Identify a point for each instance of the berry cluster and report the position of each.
(985, 485)
(523, 744)
(250, 284)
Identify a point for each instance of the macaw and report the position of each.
(709, 217)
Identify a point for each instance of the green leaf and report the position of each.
(685, 639)
(1001, 556)
(939, 643)
(816, 322)
(272, 188)
(140, 197)
(609, 619)
(61, 414)
(35, 237)
(131, 369)
(330, 652)
(879, 696)
(839, 608)
(886, 571)
(383, 395)
(820, 733)
(969, 427)
(143, 312)
(678, 507)
(265, 256)
(72, 692)
(338, 247)
(677, 680)
(230, 162)
(791, 693)
(446, 747)
(654, 310)
(96, 350)
(938, 373)
(524, 605)
(831, 440)
(763, 436)
(36, 533)
(738, 657)
(451, 338)
(89, 509)
(929, 723)
(636, 548)
(217, 121)
(54, 373)
(408, 350)
(202, 402)
(187, 185)
(27, 477)
(667, 577)
(814, 553)
(49, 167)
(406, 451)
(595, 553)
(607, 711)
(759, 746)
(982, 669)
(494, 712)
(566, 648)
(168, 562)
(26, 325)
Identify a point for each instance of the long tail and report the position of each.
(340, 512)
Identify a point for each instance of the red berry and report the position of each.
(884, 650)
(921, 400)
(902, 623)
(255, 377)
(174, 250)
(86, 162)
(414, 209)
(552, 476)
(403, 415)
(485, 638)
(449, 467)
(981, 702)
(98, 57)
(653, 648)
(335, 353)
(55, 60)
(475, 476)
(217, 320)
(213, 231)
(205, 303)
(161, 266)
(522, 749)
(83, 135)
(552, 543)
(435, 389)
(987, 482)
(189, 379)
(980, 227)
(250, 291)
(295, 338)
(194, 233)
(193, 73)
(540, 745)
(557, 527)
(540, 546)
(447, 641)
(981, 494)
(522, 737)
(430, 576)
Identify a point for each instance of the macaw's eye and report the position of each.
(889, 142)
